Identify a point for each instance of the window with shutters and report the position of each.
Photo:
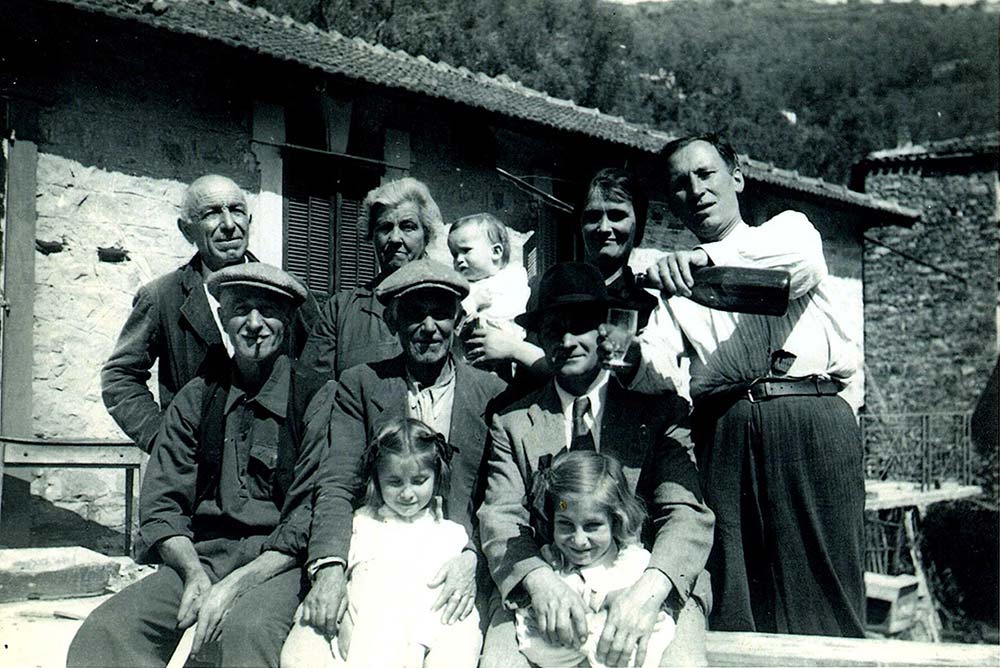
(325, 244)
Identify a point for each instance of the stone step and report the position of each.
(53, 572)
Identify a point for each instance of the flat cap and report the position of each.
(423, 273)
(258, 275)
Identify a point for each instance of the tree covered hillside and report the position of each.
(854, 77)
(807, 86)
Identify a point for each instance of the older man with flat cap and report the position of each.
(173, 318)
(427, 382)
(222, 504)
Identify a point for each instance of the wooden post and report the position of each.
(930, 614)
(925, 454)
(18, 282)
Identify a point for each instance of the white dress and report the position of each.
(618, 569)
(499, 298)
(390, 562)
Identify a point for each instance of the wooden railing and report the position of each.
(924, 448)
(79, 453)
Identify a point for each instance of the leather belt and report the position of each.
(763, 389)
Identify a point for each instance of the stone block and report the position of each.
(892, 602)
(53, 572)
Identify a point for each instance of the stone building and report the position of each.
(930, 288)
(109, 107)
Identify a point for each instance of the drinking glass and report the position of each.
(621, 326)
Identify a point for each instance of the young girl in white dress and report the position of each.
(583, 509)
(399, 542)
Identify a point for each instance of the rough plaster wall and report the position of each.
(462, 183)
(81, 304)
(931, 339)
(118, 133)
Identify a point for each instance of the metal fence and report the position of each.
(925, 448)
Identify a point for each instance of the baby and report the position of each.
(480, 247)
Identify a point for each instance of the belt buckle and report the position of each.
(750, 387)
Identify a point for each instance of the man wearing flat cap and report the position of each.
(422, 304)
(582, 408)
(223, 499)
(173, 319)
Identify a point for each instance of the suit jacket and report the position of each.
(368, 394)
(649, 435)
(171, 321)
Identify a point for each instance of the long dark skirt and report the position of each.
(786, 482)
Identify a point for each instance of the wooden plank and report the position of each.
(110, 456)
(764, 649)
(19, 289)
(18, 275)
(885, 495)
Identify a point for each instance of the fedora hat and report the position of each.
(568, 284)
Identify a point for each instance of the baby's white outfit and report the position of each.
(617, 569)
(499, 298)
(390, 562)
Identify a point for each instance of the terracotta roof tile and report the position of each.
(283, 38)
(945, 148)
(766, 172)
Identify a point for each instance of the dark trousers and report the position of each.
(138, 625)
(785, 480)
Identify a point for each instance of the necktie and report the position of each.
(582, 438)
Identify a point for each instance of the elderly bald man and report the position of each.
(174, 319)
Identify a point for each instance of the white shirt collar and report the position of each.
(614, 277)
(597, 393)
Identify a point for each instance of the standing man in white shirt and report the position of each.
(779, 448)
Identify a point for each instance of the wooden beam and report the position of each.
(18, 289)
(765, 649)
(885, 495)
(90, 456)
(17, 269)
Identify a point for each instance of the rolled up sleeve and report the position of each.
(788, 241)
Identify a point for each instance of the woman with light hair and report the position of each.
(401, 218)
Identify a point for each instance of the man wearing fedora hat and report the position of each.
(582, 408)
(222, 503)
(426, 381)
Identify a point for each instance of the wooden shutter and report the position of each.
(355, 255)
(308, 241)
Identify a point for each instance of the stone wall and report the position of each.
(119, 136)
(931, 338)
